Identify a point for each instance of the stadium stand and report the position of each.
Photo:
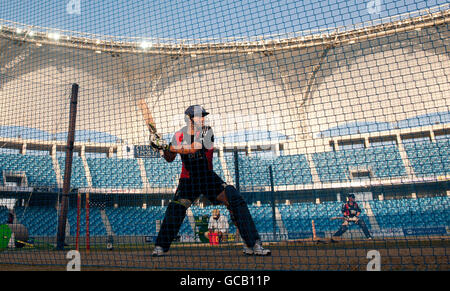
(78, 177)
(361, 127)
(287, 170)
(254, 171)
(115, 173)
(133, 220)
(3, 214)
(161, 173)
(429, 158)
(217, 166)
(291, 170)
(412, 213)
(38, 169)
(393, 213)
(263, 218)
(40, 221)
(383, 162)
(139, 221)
(96, 226)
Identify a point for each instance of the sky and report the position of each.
(202, 19)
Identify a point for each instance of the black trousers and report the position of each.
(360, 223)
(189, 189)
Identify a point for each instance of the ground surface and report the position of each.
(426, 254)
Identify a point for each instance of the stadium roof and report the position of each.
(261, 43)
(47, 61)
(213, 21)
(367, 127)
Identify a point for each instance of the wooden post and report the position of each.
(62, 219)
(77, 240)
(314, 230)
(87, 222)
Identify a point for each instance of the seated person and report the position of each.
(218, 224)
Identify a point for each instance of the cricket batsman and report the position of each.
(351, 212)
(195, 144)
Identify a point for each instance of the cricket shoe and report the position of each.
(257, 250)
(158, 252)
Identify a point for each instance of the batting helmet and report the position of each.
(195, 110)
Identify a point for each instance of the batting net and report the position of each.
(320, 140)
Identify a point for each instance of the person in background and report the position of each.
(10, 219)
(351, 211)
(218, 224)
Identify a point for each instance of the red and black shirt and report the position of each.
(350, 209)
(201, 162)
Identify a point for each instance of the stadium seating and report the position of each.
(412, 213)
(291, 170)
(382, 161)
(297, 218)
(96, 226)
(115, 173)
(3, 214)
(38, 169)
(229, 163)
(162, 174)
(78, 177)
(263, 218)
(133, 220)
(40, 221)
(286, 170)
(429, 158)
(139, 221)
(254, 172)
(217, 167)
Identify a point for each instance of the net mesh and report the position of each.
(309, 102)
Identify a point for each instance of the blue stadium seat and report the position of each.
(78, 177)
(40, 221)
(254, 171)
(412, 213)
(115, 173)
(263, 218)
(429, 158)
(3, 214)
(96, 226)
(291, 170)
(162, 174)
(38, 169)
(383, 161)
(138, 221)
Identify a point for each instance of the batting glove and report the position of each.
(354, 219)
(158, 143)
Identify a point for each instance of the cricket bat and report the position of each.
(148, 117)
(338, 217)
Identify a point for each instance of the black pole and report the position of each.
(236, 170)
(272, 194)
(61, 236)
